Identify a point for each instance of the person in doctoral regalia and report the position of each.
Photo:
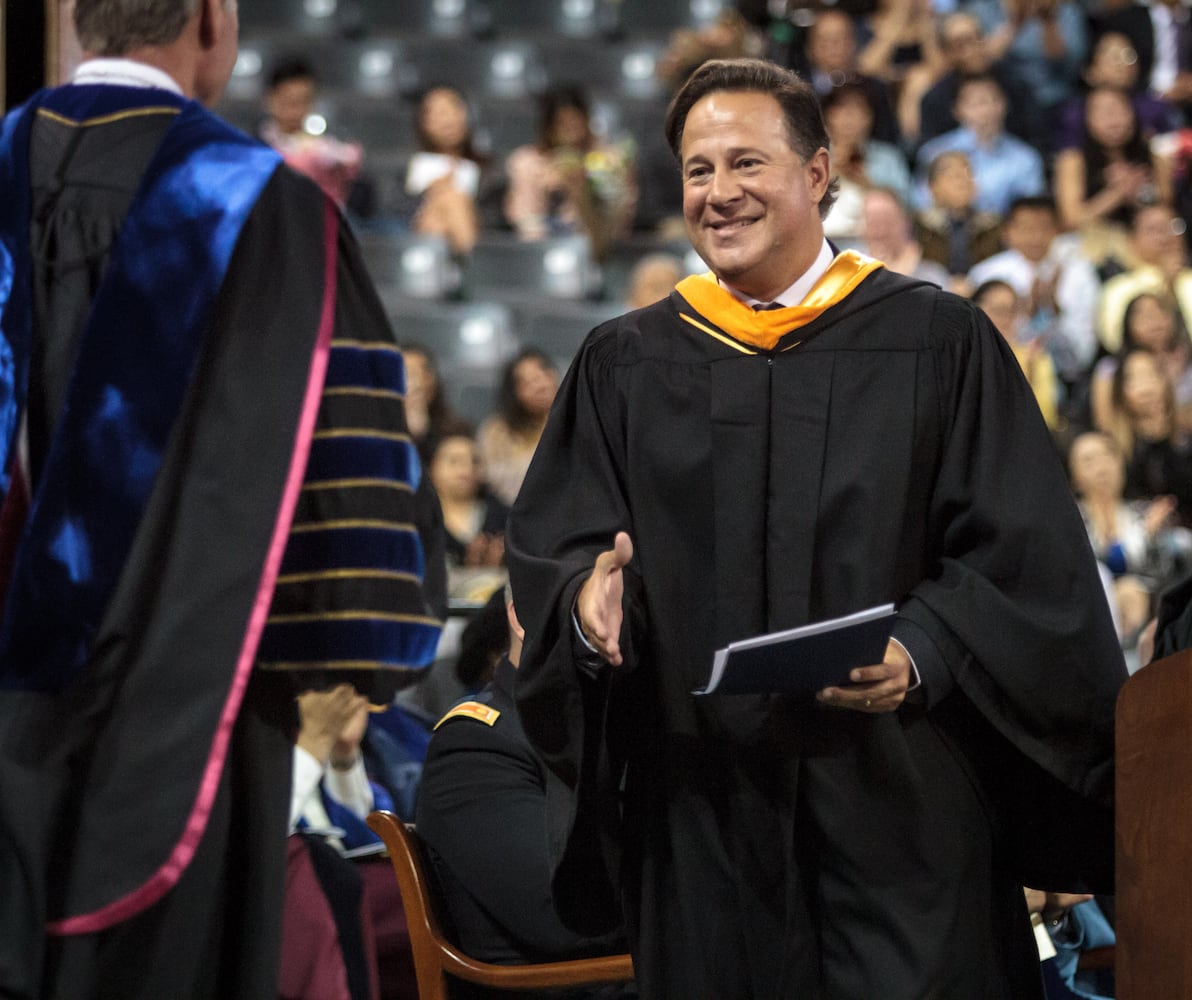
(710, 472)
(207, 506)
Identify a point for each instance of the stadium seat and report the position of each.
(558, 328)
(410, 264)
(471, 341)
(508, 269)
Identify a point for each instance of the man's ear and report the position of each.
(819, 171)
(211, 22)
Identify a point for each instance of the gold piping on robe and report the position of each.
(106, 119)
(765, 328)
(472, 710)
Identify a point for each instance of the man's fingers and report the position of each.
(622, 549)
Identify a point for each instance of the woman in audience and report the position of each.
(475, 521)
(859, 162)
(1100, 184)
(1158, 454)
(1151, 323)
(1139, 539)
(443, 179)
(508, 438)
(428, 414)
(569, 181)
(1114, 63)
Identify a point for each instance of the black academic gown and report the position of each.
(889, 450)
(98, 780)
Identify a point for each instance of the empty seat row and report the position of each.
(386, 67)
(385, 125)
(473, 341)
(578, 18)
(502, 268)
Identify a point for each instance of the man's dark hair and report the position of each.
(798, 100)
(969, 79)
(1033, 203)
(291, 68)
(116, 27)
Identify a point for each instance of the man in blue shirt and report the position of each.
(1005, 167)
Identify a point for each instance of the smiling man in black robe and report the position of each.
(712, 472)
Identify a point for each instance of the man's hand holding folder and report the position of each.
(836, 660)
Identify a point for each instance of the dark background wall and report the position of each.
(24, 49)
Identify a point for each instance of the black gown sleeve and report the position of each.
(1013, 614)
(563, 707)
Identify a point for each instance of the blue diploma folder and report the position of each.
(802, 660)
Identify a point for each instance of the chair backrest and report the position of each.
(436, 958)
(504, 268)
(1153, 919)
(411, 265)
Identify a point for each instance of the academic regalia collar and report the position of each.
(764, 329)
(124, 73)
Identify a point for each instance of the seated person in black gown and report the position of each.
(482, 815)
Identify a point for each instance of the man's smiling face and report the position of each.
(751, 203)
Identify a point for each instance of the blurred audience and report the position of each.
(509, 436)
(653, 277)
(1137, 539)
(899, 42)
(953, 232)
(443, 178)
(428, 414)
(1041, 45)
(1143, 422)
(1114, 63)
(886, 235)
(1005, 308)
(570, 181)
(1101, 183)
(1059, 288)
(967, 53)
(290, 104)
(859, 162)
(1151, 323)
(1160, 36)
(1154, 259)
(829, 60)
(475, 521)
(1005, 167)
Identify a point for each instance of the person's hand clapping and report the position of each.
(324, 717)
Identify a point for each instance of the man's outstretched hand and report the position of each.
(598, 606)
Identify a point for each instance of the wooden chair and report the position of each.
(435, 957)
